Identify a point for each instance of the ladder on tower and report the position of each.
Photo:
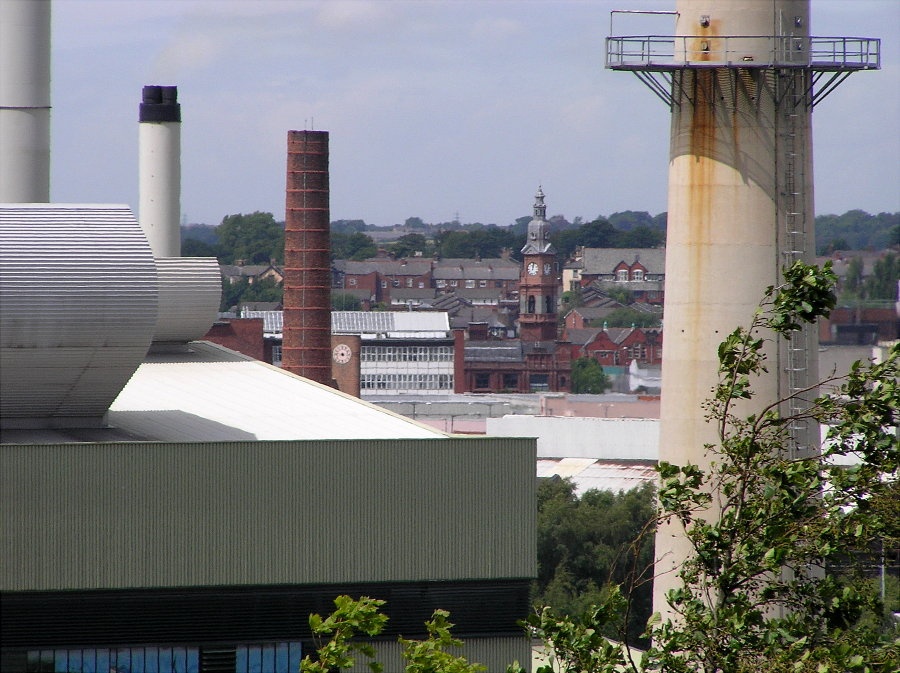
(792, 209)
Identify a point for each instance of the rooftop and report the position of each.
(208, 393)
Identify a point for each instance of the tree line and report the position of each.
(258, 237)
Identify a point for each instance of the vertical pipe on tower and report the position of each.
(739, 210)
(160, 169)
(306, 346)
(25, 101)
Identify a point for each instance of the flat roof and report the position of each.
(208, 393)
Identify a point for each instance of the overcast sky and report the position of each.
(434, 108)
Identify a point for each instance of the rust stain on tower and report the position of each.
(306, 348)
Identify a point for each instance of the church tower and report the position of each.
(538, 285)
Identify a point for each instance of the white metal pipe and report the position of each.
(25, 101)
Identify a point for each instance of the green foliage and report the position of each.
(243, 291)
(762, 589)
(856, 230)
(588, 376)
(347, 226)
(588, 544)
(629, 317)
(337, 644)
(356, 246)
(191, 247)
(431, 655)
(256, 238)
(622, 295)
(410, 244)
(486, 242)
(350, 618)
(882, 284)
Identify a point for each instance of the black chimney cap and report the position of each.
(160, 104)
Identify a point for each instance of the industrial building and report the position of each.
(167, 504)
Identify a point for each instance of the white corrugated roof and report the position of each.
(603, 475)
(372, 322)
(214, 394)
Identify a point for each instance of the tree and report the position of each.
(586, 544)
(630, 317)
(588, 376)
(410, 244)
(356, 246)
(353, 617)
(762, 589)
(255, 238)
(882, 284)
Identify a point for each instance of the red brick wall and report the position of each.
(244, 335)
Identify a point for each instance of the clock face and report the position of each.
(546, 269)
(341, 354)
(532, 269)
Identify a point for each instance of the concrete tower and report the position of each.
(160, 169)
(741, 78)
(306, 348)
(25, 101)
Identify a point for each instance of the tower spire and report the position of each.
(538, 236)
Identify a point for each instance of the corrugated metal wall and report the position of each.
(165, 515)
(78, 304)
(495, 653)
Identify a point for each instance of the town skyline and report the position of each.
(437, 110)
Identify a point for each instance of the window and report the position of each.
(133, 659)
(351, 281)
(470, 284)
(482, 380)
(510, 381)
(530, 304)
(276, 355)
(538, 382)
(637, 274)
(384, 283)
(453, 283)
(622, 275)
(439, 283)
(498, 283)
(395, 282)
(409, 282)
(421, 284)
(482, 283)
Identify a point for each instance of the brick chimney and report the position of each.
(306, 348)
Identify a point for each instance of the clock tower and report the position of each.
(538, 286)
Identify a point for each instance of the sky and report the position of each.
(438, 109)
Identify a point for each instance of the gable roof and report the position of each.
(605, 260)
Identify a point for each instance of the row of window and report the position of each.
(406, 354)
(468, 283)
(406, 382)
(265, 658)
(636, 274)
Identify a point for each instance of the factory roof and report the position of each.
(210, 393)
(408, 323)
(604, 475)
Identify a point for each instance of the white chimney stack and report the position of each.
(160, 169)
(25, 101)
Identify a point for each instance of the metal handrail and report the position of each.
(632, 52)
